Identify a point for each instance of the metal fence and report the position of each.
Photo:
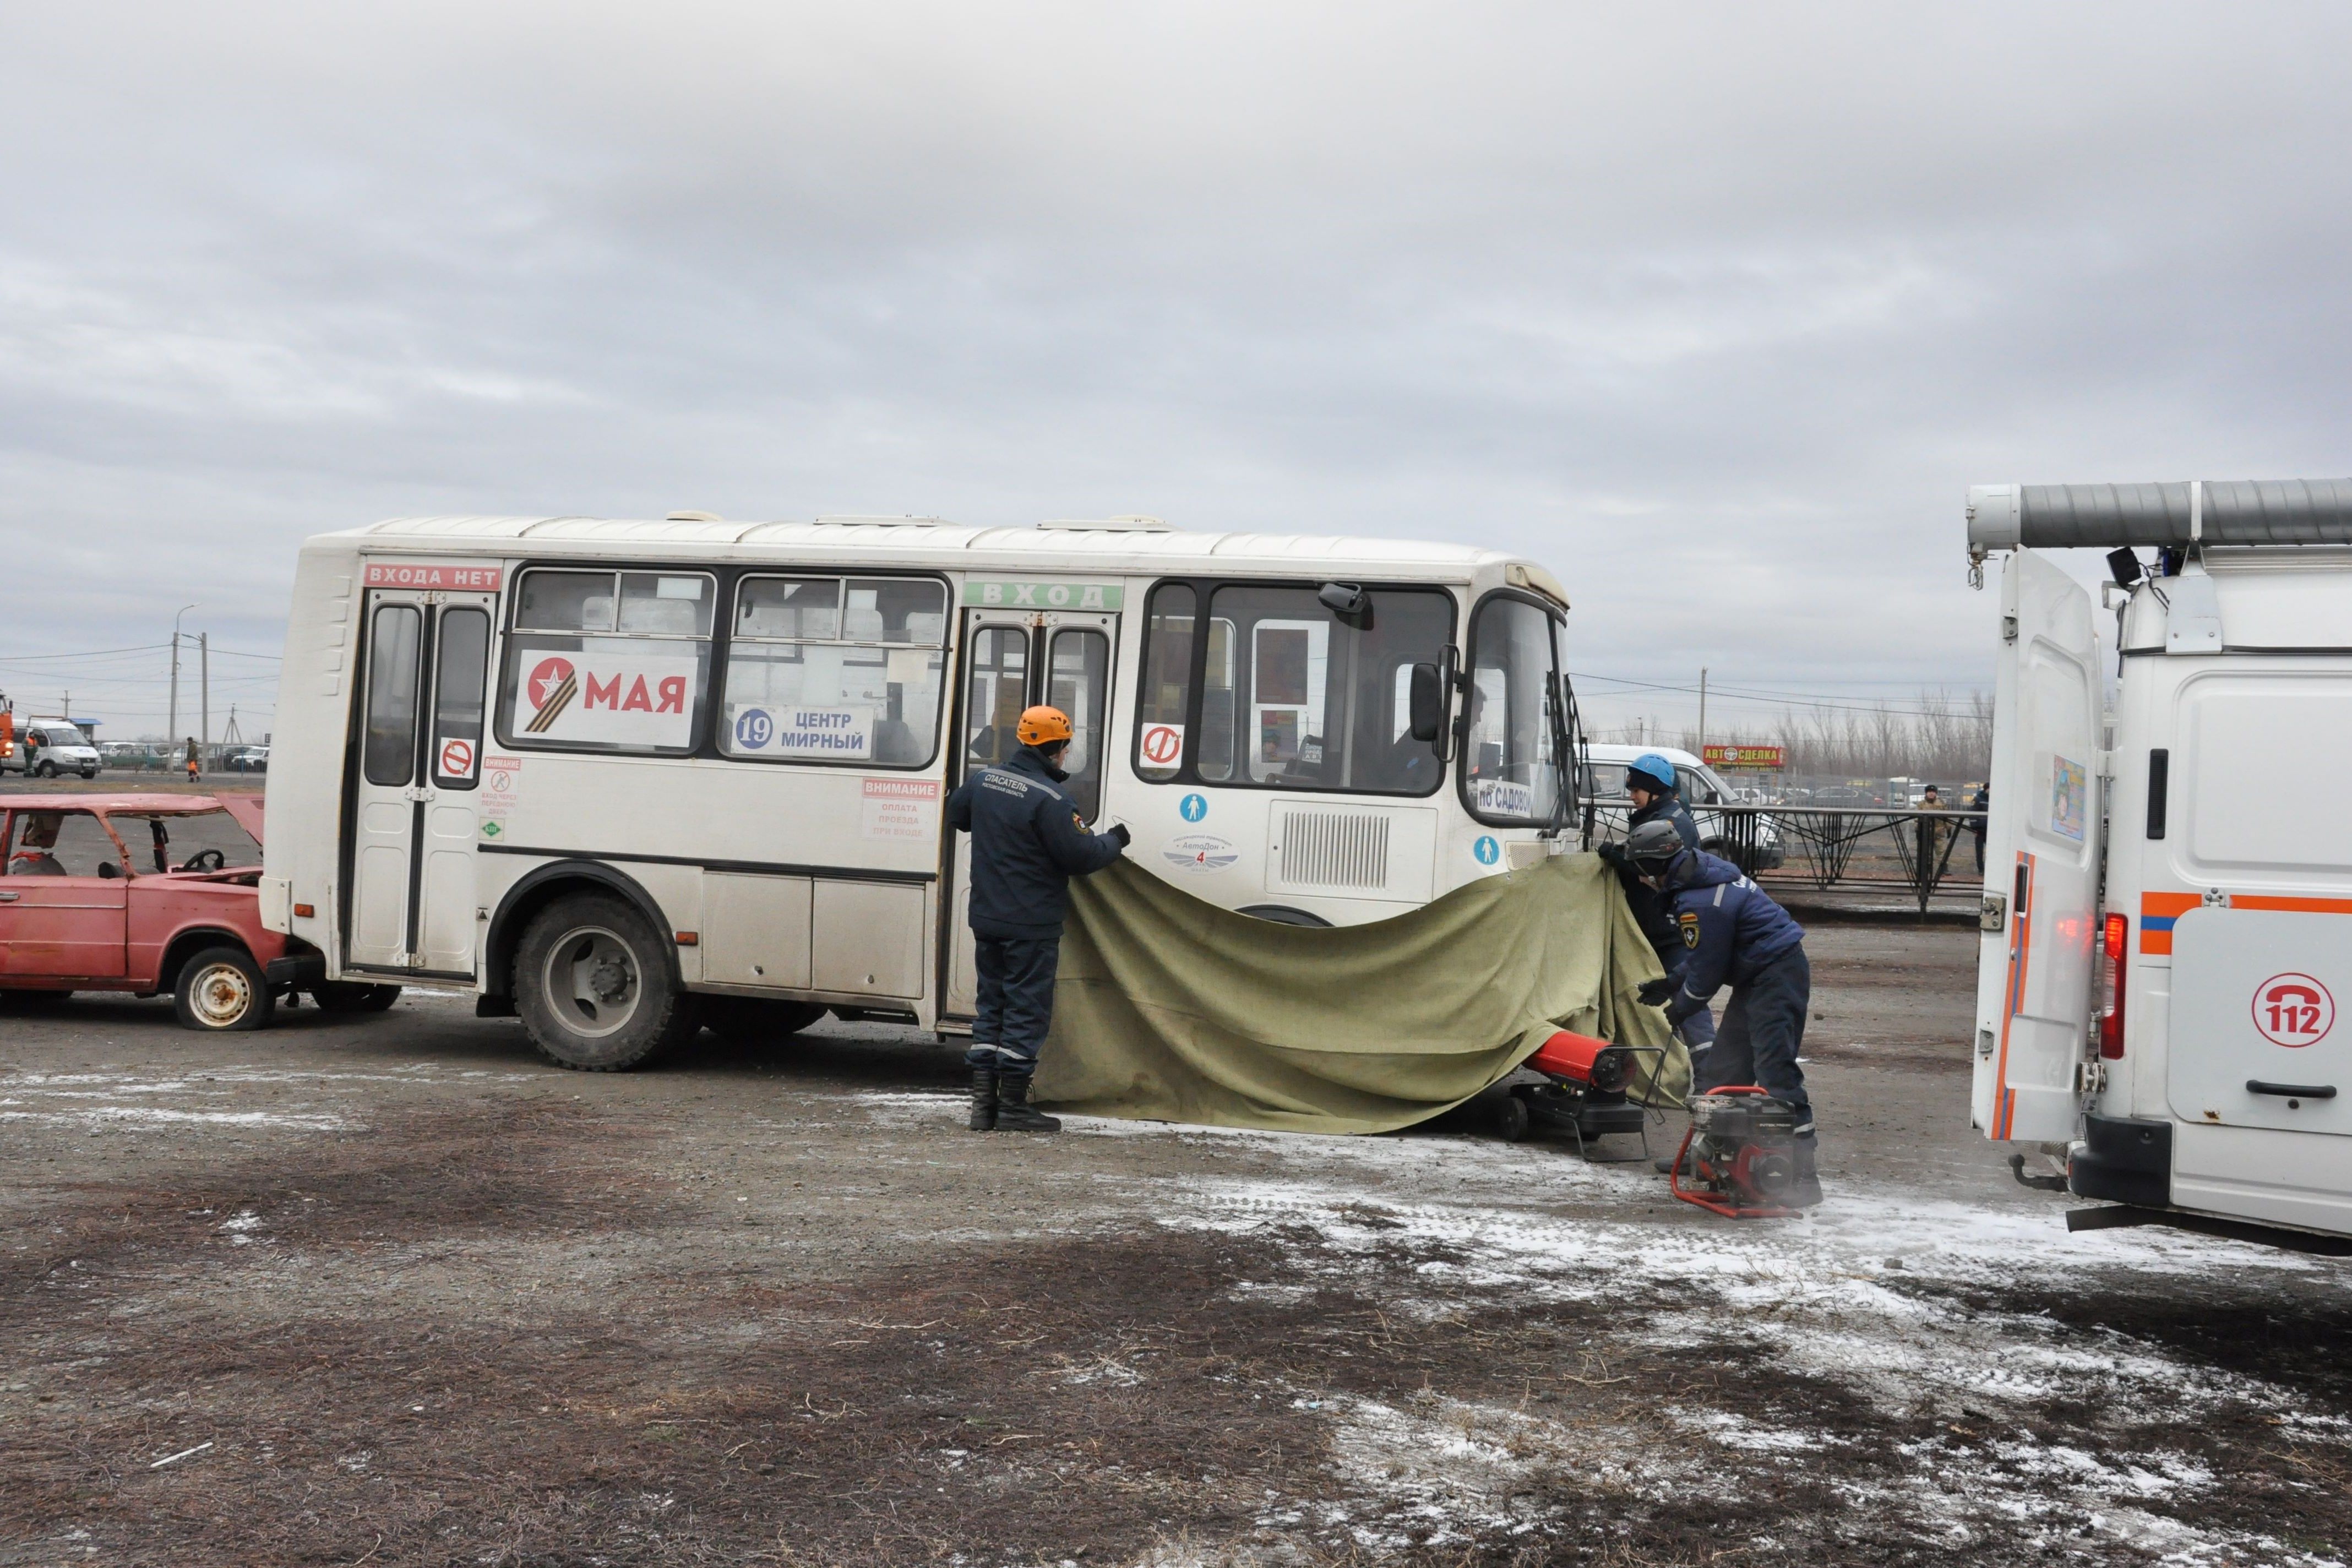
(1895, 849)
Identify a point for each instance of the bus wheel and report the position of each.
(352, 996)
(222, 989)
(757, 1020)
(593, 989)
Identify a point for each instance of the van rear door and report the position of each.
(2034, 967)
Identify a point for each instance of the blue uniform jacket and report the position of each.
(1730, 927)
(1027, 842)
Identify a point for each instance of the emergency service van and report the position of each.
(2168, 904)
(622, 776)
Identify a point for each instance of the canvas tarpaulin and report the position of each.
(1172, 1009)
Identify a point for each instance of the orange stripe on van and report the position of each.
(2291, 905)
(2004, 1111)
(2156, 913)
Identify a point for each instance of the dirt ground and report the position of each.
(391, 1291)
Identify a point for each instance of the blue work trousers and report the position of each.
(1762, 1030)
(1016, 1003)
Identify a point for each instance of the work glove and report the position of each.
(1613, 852)
(1653, 993)
(1118, 831)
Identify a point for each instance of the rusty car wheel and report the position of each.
(222, 989)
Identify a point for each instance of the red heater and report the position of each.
(1578, 1087)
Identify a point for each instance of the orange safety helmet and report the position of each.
(1043, 726)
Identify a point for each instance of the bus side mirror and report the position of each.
(1426, 705)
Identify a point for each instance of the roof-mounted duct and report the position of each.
(2208, 512)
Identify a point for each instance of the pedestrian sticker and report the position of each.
(1161, 745)
(457, 760)
(500, 775)
(1193, 806)
(2294, 1010)
(1488, 850)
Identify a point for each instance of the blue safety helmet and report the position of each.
(1655, 767)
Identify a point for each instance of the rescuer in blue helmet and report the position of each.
(1735, 935)
(1650, 784)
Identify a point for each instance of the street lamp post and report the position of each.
(173, 729)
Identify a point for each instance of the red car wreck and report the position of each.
(150, 894)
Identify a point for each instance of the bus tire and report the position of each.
(221, 990)
(594, 989)
(757, 1020)
(352, 996)
(1284, 915)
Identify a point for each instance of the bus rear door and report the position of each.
(410, 904)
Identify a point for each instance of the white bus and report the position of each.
(624, 777)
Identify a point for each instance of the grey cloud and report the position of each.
(1713, 309)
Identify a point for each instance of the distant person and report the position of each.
(1931, 801)
(195, 761)
(1650, 784)
(1977, 808)
(1027, 842)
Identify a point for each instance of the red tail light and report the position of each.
(2110, 1024)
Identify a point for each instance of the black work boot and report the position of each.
(984, 1100)
(1805, 1192)
(1665, 1164)
(1012, 1111)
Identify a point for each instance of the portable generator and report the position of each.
(1741, 1153)
(1577, 1087)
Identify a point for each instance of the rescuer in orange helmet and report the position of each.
(1028, 840)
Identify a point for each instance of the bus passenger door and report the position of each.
(995, 688)
(1061, 657)
(411, 904)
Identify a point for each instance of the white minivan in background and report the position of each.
(48, 748)
(1699, 787)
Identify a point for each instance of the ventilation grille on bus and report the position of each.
(1333, 850)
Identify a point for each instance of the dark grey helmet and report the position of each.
(1654, 846)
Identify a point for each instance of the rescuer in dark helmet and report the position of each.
(1650, 784)
(1734, 933)
(1027, 842)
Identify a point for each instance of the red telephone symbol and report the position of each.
(2294, 1010)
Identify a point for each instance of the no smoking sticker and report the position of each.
(1163, 744)
(2294, 1010)
(456, 756)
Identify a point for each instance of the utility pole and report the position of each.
(1702, 714)
(205, 676)
(174, 728)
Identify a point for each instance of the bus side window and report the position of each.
(831, 669)
(388, 755)
(995, 692)
(1077, 681)
(1159, 707)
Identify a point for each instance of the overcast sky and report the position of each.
(1713, 309)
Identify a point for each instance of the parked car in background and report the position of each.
(1700, 788)
(46, 748)
(151, 894)
(251, 759)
